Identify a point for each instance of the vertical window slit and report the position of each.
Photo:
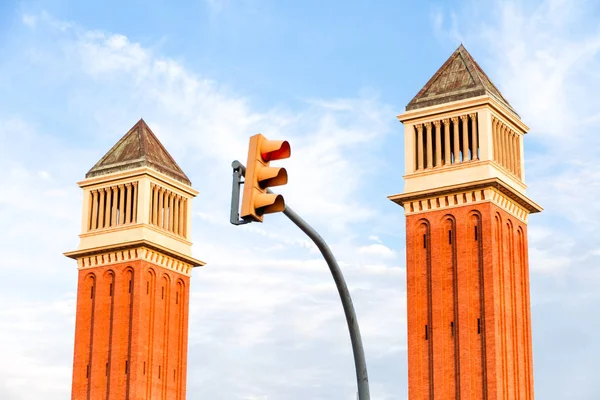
(478, 325)
(92, 292)
(426, 332)
(174, 374)
(159, 372)
(106, 369)
(449, 237)
(476, 233)
(452, 328)
(144, 367)
(130, 286)
(177, 298)
(147, 287)
(111, 289)
(424, 240)
(417, 155)
(162, 294)
(87, 371)
(126, 366)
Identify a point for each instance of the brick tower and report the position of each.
(469, 325)
(135, 263)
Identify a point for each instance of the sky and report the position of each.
(330, 77)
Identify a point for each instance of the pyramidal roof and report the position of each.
(460, 77)
(139, 147)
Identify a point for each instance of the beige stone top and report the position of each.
(136, 200)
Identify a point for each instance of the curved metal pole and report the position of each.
(357, 347)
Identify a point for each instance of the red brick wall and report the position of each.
(127, 333)
(468, 305)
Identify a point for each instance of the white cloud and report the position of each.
(30, 20)
(35, 334)
(378, 251)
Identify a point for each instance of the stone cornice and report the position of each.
(129, 175)
(136, 250)
(462, 106)
(458, 195)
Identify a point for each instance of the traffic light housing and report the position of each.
(259, 176)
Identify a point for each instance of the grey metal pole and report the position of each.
(357, 347)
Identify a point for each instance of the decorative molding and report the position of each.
(138, 173)
(464, 106)
(463, 198)
(134, 254)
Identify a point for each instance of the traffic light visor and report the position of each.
(268, 203)
(274, 150)
(270, 176)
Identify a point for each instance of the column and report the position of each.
(438, 143)
(101, 207)
(447, 149)
(176, 214)
(108, 207)
(121, 204)
(505, 135)
(128, 206)
(505, 149)
(135, 201)
(429, 135)
(475, 141)
(518, 145)
(420, 147)
(94, 220)
(500, 132)
(114, 205)
(171, 213)
(495, 137)
(456, 140)
(465, 141)
(182, 216)
(511, 141)
(410, 146)
(154, 204)
(515, 146)
(161, 207)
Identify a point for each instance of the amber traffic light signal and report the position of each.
(259, 176)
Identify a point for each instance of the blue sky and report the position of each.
(265, 320)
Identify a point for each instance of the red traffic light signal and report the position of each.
(259, 176)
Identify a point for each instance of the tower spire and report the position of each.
(459, 78)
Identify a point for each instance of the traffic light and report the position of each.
(259, 176)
